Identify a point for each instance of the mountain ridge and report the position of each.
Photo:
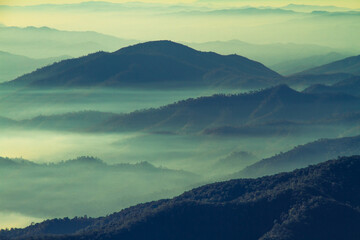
(150, 65)
(286, 206)
(279, 103)
(303, 155)
(349, 65)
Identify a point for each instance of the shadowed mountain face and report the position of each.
(319, 202)
(349, 65)
(160, 64)
(194, 115)
(302, 156)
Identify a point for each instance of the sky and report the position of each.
(343, 3)
(184, 23)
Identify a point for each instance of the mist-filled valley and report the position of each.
(133, 119)
(138, 152)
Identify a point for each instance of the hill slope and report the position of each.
(319, 202)
(44, 42)
(195, 115)
(349, 65)
(349, 86)
(290, 66)
(158, 64)
(12, 66)
(302, 156)
(268, 54)
(85, 185)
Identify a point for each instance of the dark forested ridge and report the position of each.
(318, 202)
(279, 103)
(158, 64)
(302, 156)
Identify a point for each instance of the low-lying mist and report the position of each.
(125, 167)
(28, 103)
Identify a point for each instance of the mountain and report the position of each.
(311, 8)
(269, 128)
(103, 6)
(302, 156)
(235, 160)
(269, 54)
(349, 65)
(349, 86)
(318, 202)
(279, 103)
(13, 66)
(85, 185)
(239, 12)
(306, 80)
(289, 67)
(6, 122)
(159, 64)
(44, 42)
(84, 120)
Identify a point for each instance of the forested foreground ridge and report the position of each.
(318, 202)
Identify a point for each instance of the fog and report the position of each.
(28, 103)
(175, 162)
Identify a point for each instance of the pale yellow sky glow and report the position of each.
(343, 3)
(151, 24)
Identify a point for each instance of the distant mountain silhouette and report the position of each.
(349, 86)
(349, 65)
(85, 185)
(235, 161)
(13, 66)
(303, 155)
(285, 55)
(279, 103)
(289, 66)
(307, 80)
(319, 202)
(6, 122)
(241, 11)
(311, 8)
(84, 120)
(45, 42)
(159, 64)
(269, 128)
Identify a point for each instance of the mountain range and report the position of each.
(285, 58)
(349, 65)
(66, 185)
(292, 66)
(275, 104)
(45, 42)
(158, 64)
(13, 66)
(302, 156)
(317, 202)
(349, 86)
